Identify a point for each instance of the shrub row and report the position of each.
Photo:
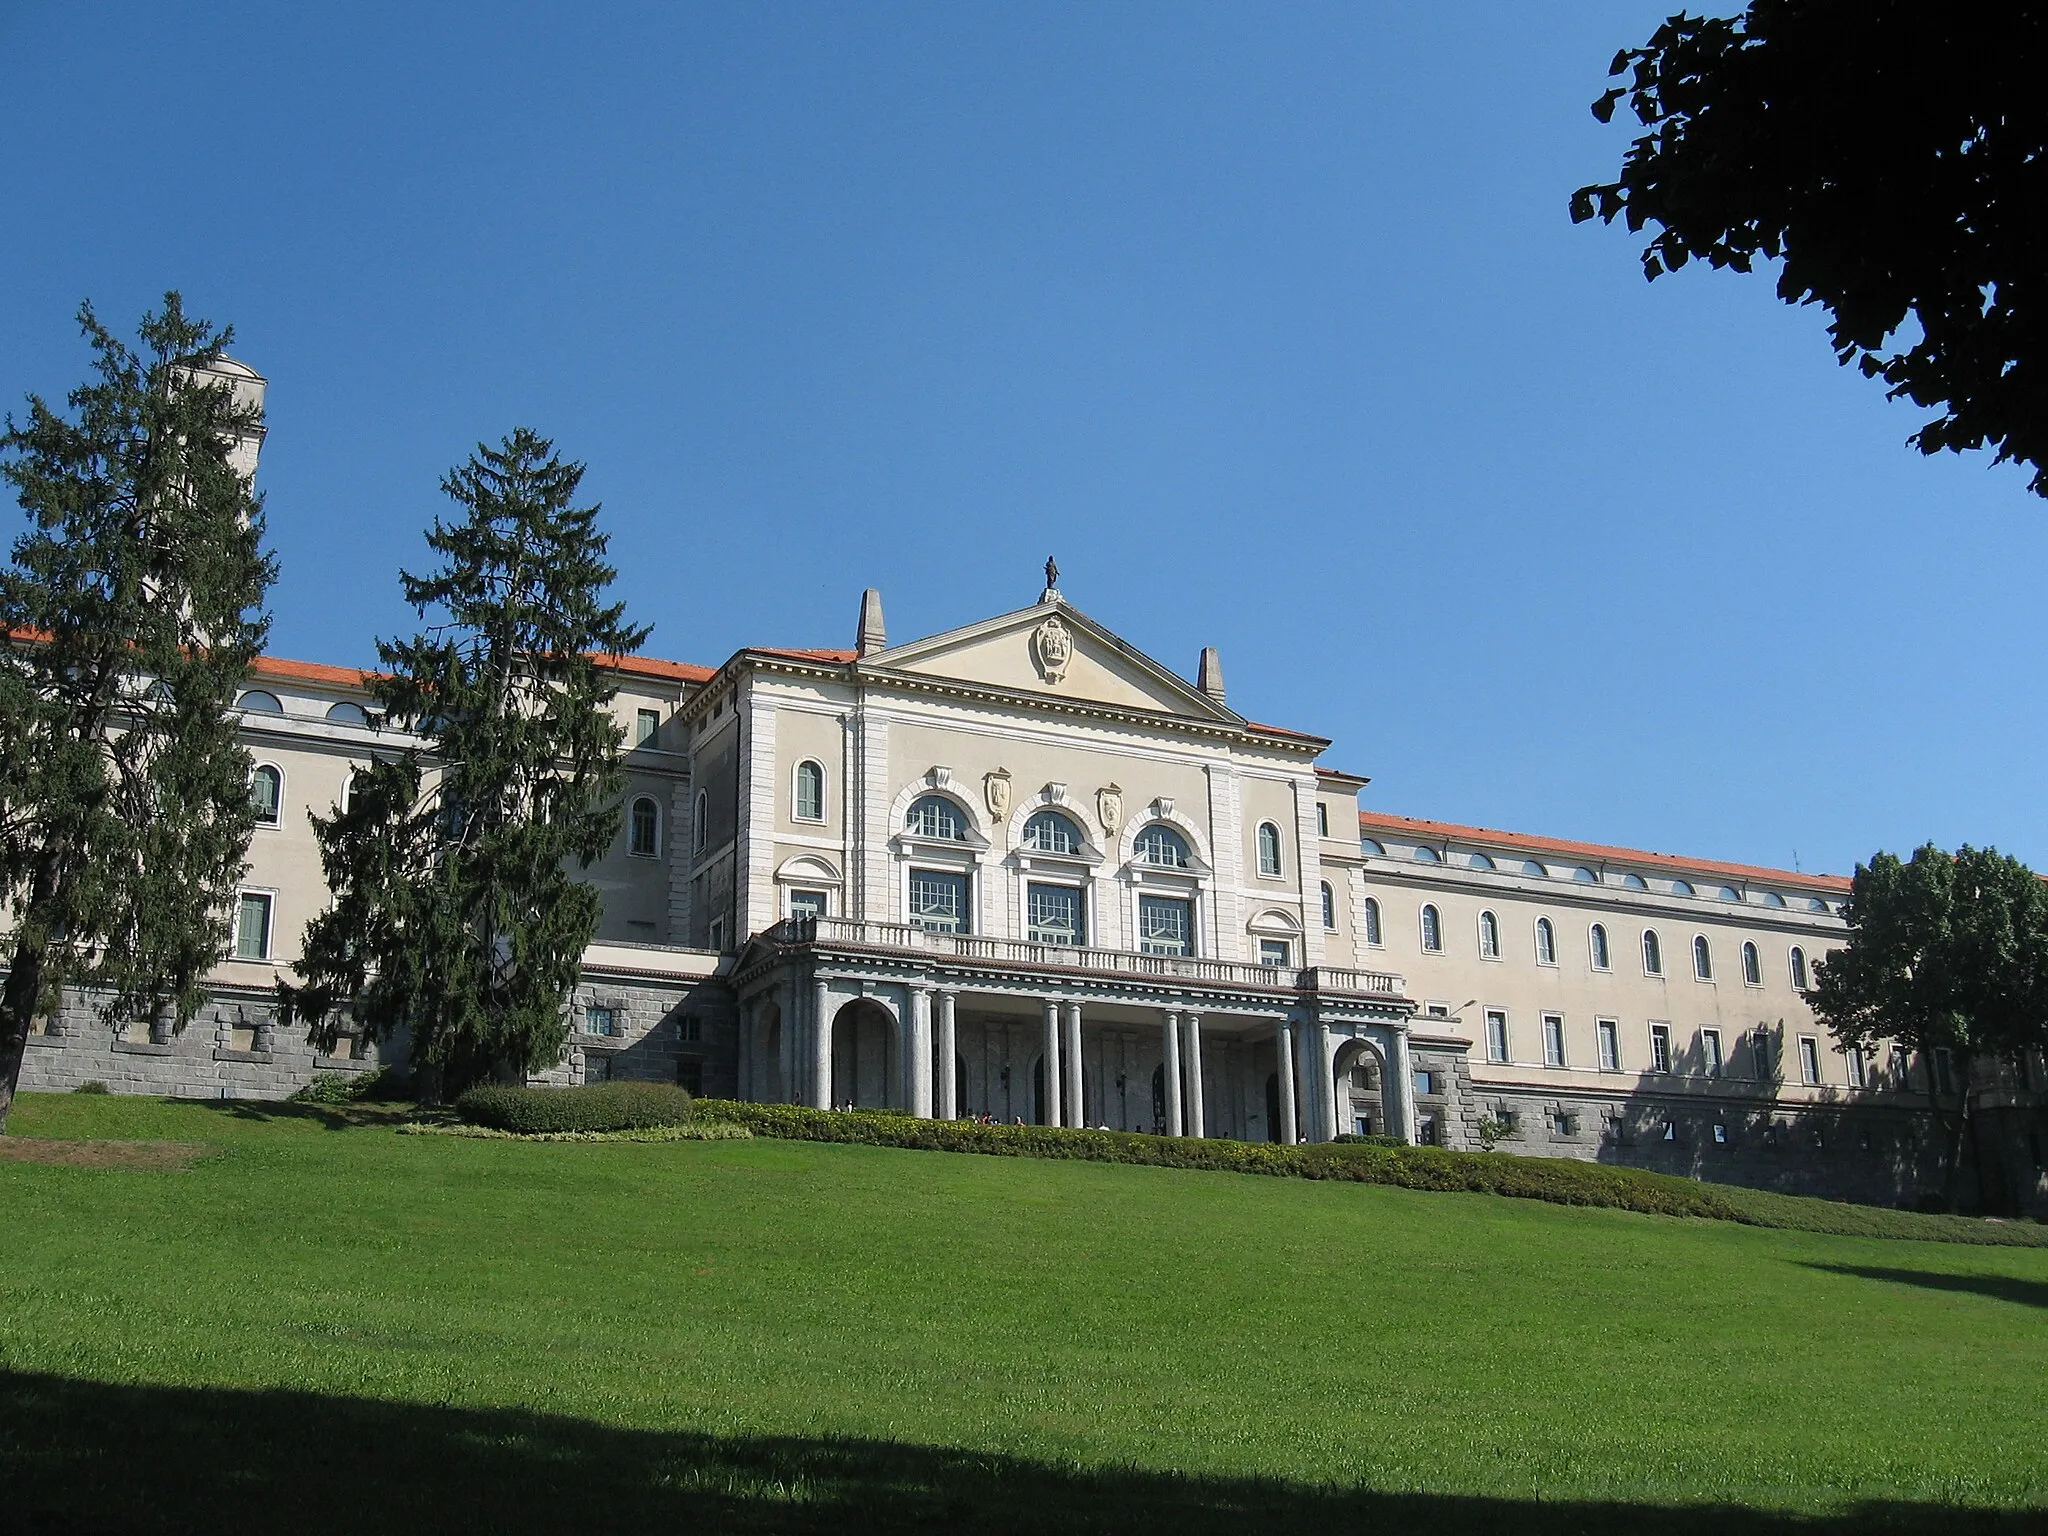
(649, 1133)
(593, 1107)
(1561, 1181)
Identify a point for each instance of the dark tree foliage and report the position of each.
(1893, 154)
(1945, 952)
(131, 609)
(455, 912)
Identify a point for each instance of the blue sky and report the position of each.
(1267, 320)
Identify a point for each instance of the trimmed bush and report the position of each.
(593, 1107)
(348, 1087)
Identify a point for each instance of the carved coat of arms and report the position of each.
(1053, 645)
(995, 788)
(1109, 805)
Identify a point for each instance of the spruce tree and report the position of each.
(131, 609)
(455, 912)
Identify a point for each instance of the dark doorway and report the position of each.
(1159, 1099)
(1038, 1093)
(1273, 1106)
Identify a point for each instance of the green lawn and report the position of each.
(325, 1326)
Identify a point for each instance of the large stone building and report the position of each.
(1020, 869)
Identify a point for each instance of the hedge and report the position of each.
(593, 1107)
(1559, 1180)
(647, 1133)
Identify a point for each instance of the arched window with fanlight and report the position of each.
(266, 794)
(1597, 941)
(809, 798)
(1653, 953)
(1371, 923)
(1752, 966)
(1329, 907)
(1489, 936)
(1051, 832)
(1432, 930)
(936, 817)
(643, 828)
(1702, 958)
(1546, 942)
(1269, 850)
(1163, 848)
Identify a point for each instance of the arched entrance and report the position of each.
(1273, 1106)
(865, 1074)
(1358, 1089)
(768, 1084)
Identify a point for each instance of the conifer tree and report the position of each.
(455, 912)
(131, 610)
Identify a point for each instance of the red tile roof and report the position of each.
(794, 654)
(311, 672)
(1415, 826)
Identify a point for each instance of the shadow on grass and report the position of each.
(334, 1117)
(84, 1456)
(2027, 1293)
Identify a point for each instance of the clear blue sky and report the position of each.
(1267, 320)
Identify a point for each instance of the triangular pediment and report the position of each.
(1058, 651)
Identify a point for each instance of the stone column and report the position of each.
(1193, 1024)
(947, 1053)
(918, 1059)
(1070, 1057)
(1171, 1046)
(1402, 1069)
(1052, 1064)
(749, 1011)
(821, 1046)
(1326, 1087)
(789, 1006)
(1283, 1041)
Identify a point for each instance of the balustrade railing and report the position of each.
(1073, 957)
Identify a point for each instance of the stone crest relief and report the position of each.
(1053, 647)
(995, 789)
(1109, 805)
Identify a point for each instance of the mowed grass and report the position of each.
(324, 1325)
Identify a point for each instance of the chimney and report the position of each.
(872, 636)
(1210, 678)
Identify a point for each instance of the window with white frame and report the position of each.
(1432, 930)
(1496, 1034)
(1608, 1032)
(1050, 832)
(1275, 953)
(646, 723)
(1269, 850)
(644, 829)
(938, 900)
(1166, 925)
(1053, 915)
(1762, 1059)
(1596, 943)
(1653, 953)
(252, 926)
(809, 804)
(1809, 1060)
(600, 1019)
(1163, 848)
(1489, 936)
(1798, 968)
(1546, 942)
(808, 903)
(1702, 958)
(936, 817)
(1322, 819)
(266, 794)
(1372, 921)
(1859, 1071)
(1660, 1047)
(1553, 1040)
(1710, 1051)
(1329, 907)
(1752, 966)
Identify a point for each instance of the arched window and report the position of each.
(1681, 888)
(1585, 876)
(1427, 856)
(1546, 942)
(936, 817)
(700, 824)
(262, 702)
(1653, 954)
(1532, 867)
(1481, 861)
(643, 829)
(266, 794)
(346, 713)
(1702, 958)
(1729, 893)
(1432, 931)
(1371, 848)
(1372, 921)
(1050, 832)
(1752, 966)
(1799, 968)
(1269, 849)
(1329, 906)
(1599, 946)
(810, 792)
(1489, 936)
(1160, 845)
(1634, 883)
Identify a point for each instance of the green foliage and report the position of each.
(129, 614)
(455, 909)
(91, 1085)
(651, 1133)
(347, 1087)
(1891, 153)
(592, 1107)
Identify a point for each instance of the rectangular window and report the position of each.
(807, 903)
(1720, 1134)
(1425, 1082)
(689, 1028)
(600, 1019)
(1660, 1047)
(1053, 915)
(1322, 819)
(645, 725)
(1859, 1074)
(1361, 1125)
(1762, 1059)
(1944, 1070)
(1710, 1051)
(718, 933)
(252, 926)
(1425, 1130)
(1166, 925)
(1553, 1040)
(1564, 1125)
(690, 1076)
(1273, 953)
(1437, 1011)
(938, 900)
(1496, 1035)
(597, 1067)
(1610, 1045)
(1809, 1060)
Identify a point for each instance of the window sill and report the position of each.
(343, 1064)
(222, 1053)
(142, 1048)
(49, 1040)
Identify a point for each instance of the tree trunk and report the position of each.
(17, 1013)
